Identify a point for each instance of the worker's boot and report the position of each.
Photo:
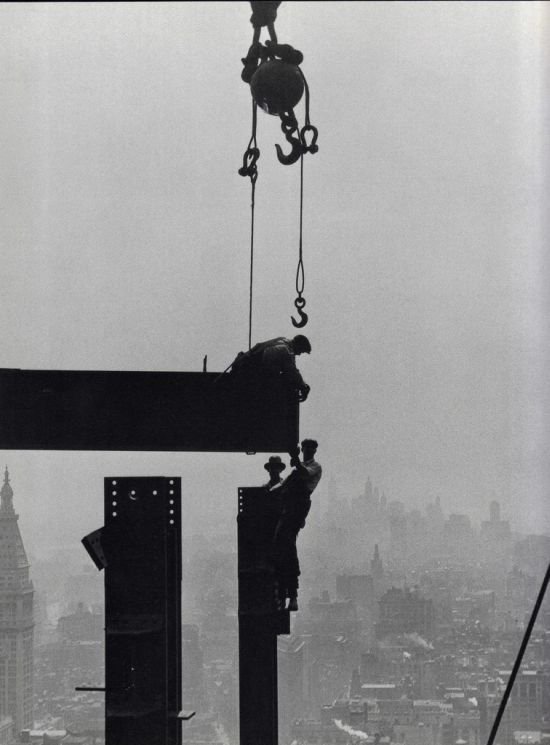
(292, 603)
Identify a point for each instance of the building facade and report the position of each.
(16, 618)
(405, 611)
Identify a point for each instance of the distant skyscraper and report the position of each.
(376, 566)
(16, 618)
(496, 536)
(405, 611)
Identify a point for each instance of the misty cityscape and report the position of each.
(126, 241)
(409, 624)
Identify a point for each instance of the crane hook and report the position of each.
(294, 155)
(289, 125)
(300, 303)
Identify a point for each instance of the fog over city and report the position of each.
(124, 234)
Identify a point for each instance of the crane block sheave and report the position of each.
(155, 411)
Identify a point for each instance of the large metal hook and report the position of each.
(294, 155)
(299, 303)
(289, 125)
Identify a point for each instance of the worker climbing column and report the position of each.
(260, 620)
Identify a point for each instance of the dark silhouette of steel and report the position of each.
(140, 546)
(259, 620)
(151, 411)
(519, 658)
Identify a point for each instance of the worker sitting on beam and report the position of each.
(276, 357)
(295, 494)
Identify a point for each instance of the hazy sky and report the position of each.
(124, 235)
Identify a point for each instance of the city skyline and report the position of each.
(42, 545)
(405, 621)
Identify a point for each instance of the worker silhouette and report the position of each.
(295, 495)
(274, 467)
(276, 357)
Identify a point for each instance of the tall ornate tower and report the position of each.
(16, 618)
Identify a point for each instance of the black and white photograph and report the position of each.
(274, 372)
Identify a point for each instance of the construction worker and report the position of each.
(274, 467)
(295, 494)
(276, 357)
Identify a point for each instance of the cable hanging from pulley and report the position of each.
(277, 84)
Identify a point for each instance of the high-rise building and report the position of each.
(359, 588)
(405, 611)
(376, 566)
(16, 618)
(496, 536)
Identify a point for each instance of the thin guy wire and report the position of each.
(519, 658)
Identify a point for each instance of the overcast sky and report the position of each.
(124, 235)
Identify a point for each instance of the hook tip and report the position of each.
(292, 157)
(302, 322)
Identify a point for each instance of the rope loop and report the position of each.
(300, 277)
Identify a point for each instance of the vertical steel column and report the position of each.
(142, 546)
(259, 620)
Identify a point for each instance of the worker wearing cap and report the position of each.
(277, 357)
(274, 467)
(295, 492)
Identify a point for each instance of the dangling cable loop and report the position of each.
(300, 301)
(252, 205)
(250, 169)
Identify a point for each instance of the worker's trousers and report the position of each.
(285, 552)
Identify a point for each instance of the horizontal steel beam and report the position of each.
(149, 411)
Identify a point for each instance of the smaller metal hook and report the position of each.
(250, 159)
(313, 147)
(299, 303)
